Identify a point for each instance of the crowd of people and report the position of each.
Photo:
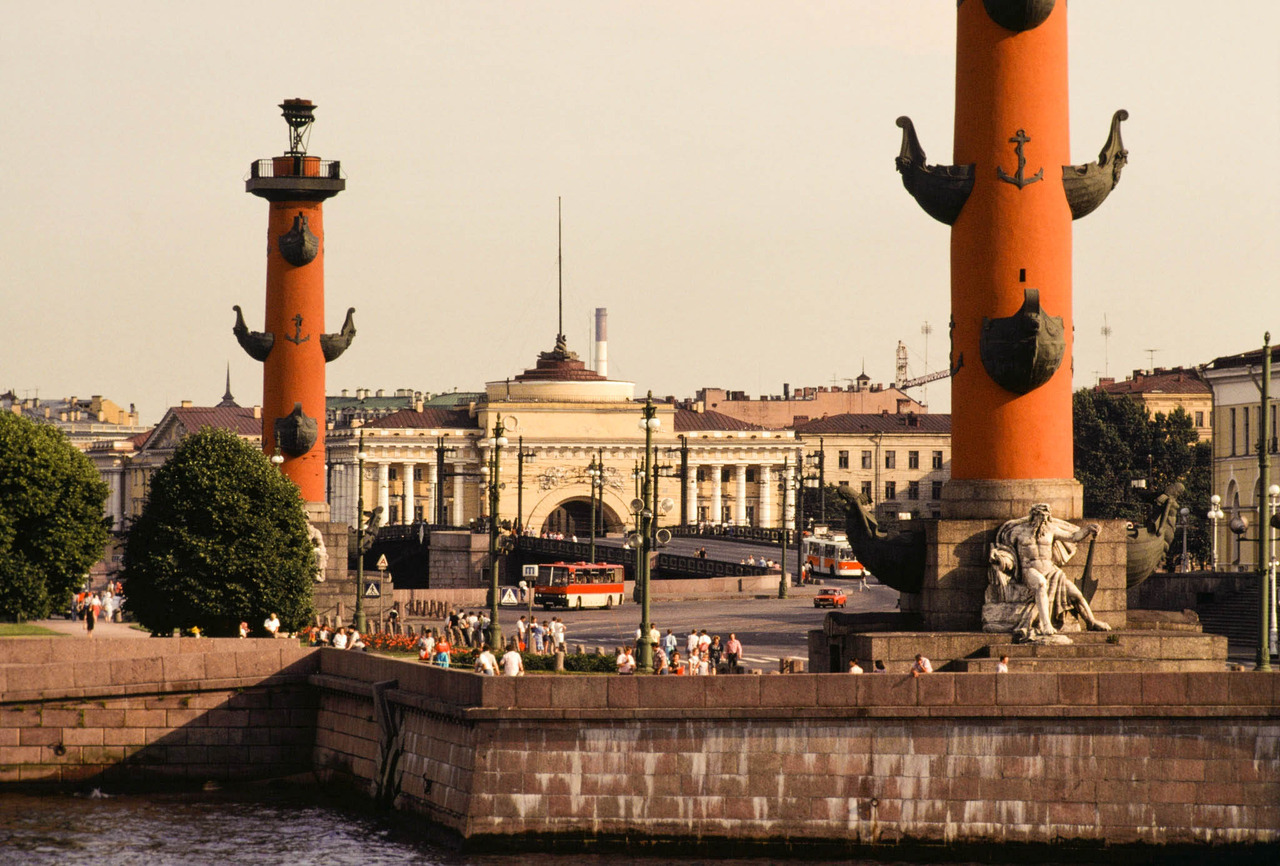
(704, 655)
(343, 637)
(90, 607)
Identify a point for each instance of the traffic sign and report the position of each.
(529, 570)
(509, 596)
(382, 562)
(371, 589)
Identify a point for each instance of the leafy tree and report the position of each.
(222, 538)
(52, 527)
(1116, 442)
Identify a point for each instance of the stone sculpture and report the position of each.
(1028, 593)
(319, 551)
(1148, 544)
(896, 559)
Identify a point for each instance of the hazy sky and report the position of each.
(726, 168)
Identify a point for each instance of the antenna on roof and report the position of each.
(1106, 346)
(559, 274)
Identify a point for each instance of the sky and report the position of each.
(726, 169)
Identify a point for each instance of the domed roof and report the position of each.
(559, 365)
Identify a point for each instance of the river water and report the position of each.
(232, 830)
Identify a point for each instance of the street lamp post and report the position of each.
(1264, 531)
(647, 518)
(496, 443)
(1215, 514)
(361, 456)
(593, 478)
(1273, 501)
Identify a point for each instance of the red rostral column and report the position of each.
(1010, 198)
(294, 347)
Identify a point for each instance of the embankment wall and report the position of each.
(824, 759)
(142, 712)
(829, 758)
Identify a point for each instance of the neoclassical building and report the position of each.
(431, 465)
(558, 417)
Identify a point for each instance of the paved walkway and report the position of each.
(75, 628)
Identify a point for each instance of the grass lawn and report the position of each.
(22, 629)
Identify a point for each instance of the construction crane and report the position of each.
(900, 380)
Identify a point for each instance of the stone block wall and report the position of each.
(831, 759)
(119, 713)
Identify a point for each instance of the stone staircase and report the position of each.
(1128, 651)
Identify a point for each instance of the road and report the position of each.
(769, 628)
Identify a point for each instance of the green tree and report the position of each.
(222, 539)
(52, 527)
(1117, 442)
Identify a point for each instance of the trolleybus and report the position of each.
(827, 552)
(578, 585)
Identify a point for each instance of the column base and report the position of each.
(981, 499)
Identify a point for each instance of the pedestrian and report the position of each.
(340, 638)
(922, 666)
(626, 661)
(879, 668)
(1002, 666)
(272, 625)
(733, 652)
(677, 666)
(90, 618)
(669, 643)
(691, 643)
(512, 663)
(557, 633)
(522, 632)
(486, 664)
(442, 654)
(854, 667)
(714, 653)
(244, 629)
(862, 580)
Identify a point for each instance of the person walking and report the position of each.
(733, 652)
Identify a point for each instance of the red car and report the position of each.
(829, 597)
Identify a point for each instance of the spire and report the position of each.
(228, 402)
(561, 343)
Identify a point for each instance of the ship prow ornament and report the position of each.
(1021, 352)
(334, 345)
(256, 343)
(1087, 186)
(296, 432)
(298, 245)
(941, 190)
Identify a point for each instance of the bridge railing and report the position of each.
(746, 534)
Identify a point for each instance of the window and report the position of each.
(866, 459)
(1233, 431)
(843, 461)
(891, 460)
(866, 489)
(890, 490)
(726, 473)
(937, 460)
(1246, 429)
(418, 514)
(1199, 419)
(393, 474)
(751, 475)
(702, 476)
(751, 515)
(702, 511)
(913, 490)
(936, 492)
(393, 513)
(913, 459)
(417, 473)
(726, 514)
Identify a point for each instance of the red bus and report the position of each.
(829, 553)
(578, 585)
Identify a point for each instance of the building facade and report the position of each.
(1161, 390)
(1239, 422)
(898, 462)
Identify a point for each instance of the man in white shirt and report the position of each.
(512, 663)
(486, 663)
(692, 643)
(272, 624)
(557, 633)
(626, 661)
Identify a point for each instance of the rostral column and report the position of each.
(293, 348)
(1010, 198)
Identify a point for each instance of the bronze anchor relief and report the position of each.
(297, 339)
(1021, 352)
(1018, 178)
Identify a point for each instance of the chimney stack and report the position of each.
(602, 341)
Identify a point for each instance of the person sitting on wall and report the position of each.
(626, 661)
(272, 625)
(922, 666)
(854, 667)
(512, 663)
(486, 664)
